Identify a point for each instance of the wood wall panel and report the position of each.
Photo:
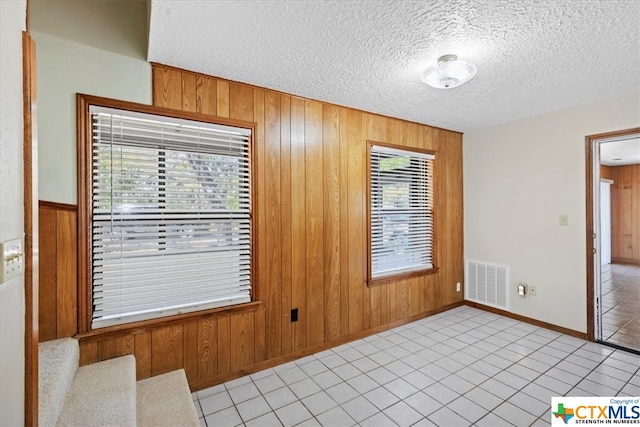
(207, 348)
(242, 340)
(224, 345)
(168, 91)
(190, 349)
(206, 95)
(67, 273)
(116, 347)
(241, 102)
(331, 220)
(189, 93)
(310, 163)
(260, 331)
(58, 284)
(269, 192)
(142, 352)
(314, 227)
(343, 155)
(222, 98)
(286, 222)
(48, 307)
(166, 344)
(606, 172)
(298, 235)
(89, 352)
(356, 197)
(625, 213)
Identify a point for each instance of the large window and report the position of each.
(170, 212)
(400, 211)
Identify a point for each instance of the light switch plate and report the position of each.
(12, 263)
(563, 220)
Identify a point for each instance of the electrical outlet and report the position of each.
(533, 291)
(458, 287)
(294, 315)
(12, 259)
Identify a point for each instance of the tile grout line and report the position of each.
(435, 324)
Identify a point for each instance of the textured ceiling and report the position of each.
(533, 56)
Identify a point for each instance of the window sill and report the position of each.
(400, 276)
(136, 327)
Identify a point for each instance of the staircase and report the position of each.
(106, 393)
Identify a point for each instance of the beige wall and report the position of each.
(518, 179)
(12, 21)
(118, 26)
(96, 47)
(65, 68)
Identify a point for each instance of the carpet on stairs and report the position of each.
(165, 400)
(102, 394)
(58, 363)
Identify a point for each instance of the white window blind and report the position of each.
(401, 211)
(171, 216)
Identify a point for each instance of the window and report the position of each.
(400, 211)
(170, 212)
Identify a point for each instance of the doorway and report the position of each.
(613, 238)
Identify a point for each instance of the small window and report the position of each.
(400, 211)
(170, 215)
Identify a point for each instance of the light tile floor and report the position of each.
(620, 308)
(458, 368)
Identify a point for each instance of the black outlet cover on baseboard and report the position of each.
(294, 315)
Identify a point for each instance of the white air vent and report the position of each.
(487, 283)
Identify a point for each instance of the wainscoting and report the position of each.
(58, 307)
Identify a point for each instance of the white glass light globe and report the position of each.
(448, 73)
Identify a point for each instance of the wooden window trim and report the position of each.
(370, 280)
(143, 325)
(401, 276)
(84, 174)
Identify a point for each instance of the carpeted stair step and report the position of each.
(102, 394)
(165, 400)
(58, 363)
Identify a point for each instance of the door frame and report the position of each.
(605, 183)
(30, 215)
(591, 235)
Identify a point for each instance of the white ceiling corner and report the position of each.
(533, 57)
(621, 151)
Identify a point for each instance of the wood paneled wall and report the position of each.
(625, 213)
(310, 236)
(58, 285)
(209, 349)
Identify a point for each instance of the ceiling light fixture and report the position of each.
(449, 72)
